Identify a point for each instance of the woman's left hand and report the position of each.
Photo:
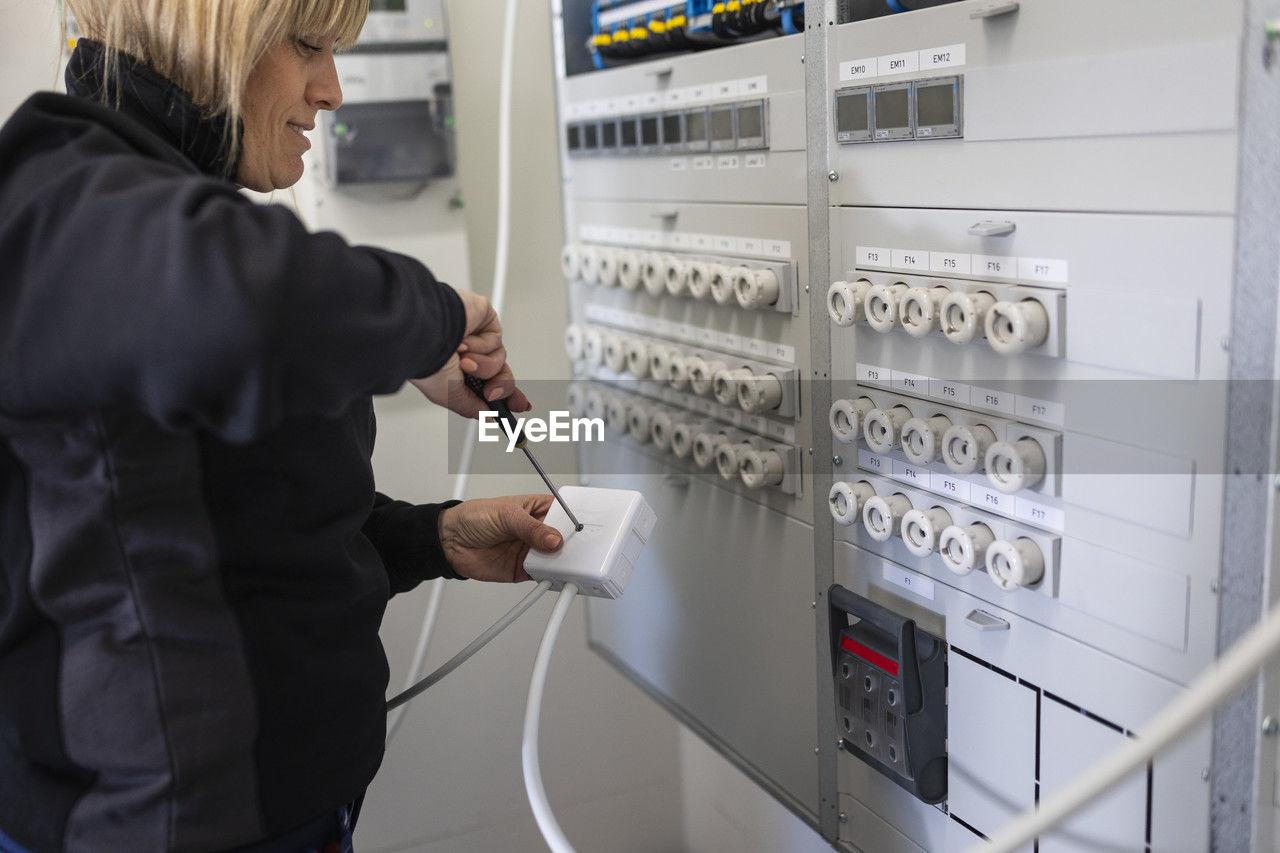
(488, 539)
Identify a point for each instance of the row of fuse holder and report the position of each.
(754, 393)
(1011, 564)
(665, 274)
(1010, 466)
(1009, 327)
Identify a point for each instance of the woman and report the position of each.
(194, 561)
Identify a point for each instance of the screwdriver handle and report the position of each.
(476, 384)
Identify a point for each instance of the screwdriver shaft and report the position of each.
(577, 525)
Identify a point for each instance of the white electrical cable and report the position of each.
(1204, 694)
(498, 299)
(476, 645)
(542, 813)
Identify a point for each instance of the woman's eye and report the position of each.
(305, 45)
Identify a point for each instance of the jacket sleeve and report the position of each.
(407, 537)
(132, 283)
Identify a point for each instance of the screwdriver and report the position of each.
(509, 421)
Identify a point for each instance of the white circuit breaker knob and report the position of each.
(661, 428)
(847, 499)
(881, 305)
(593, 346)
(845, 301)
(722, 279)
(571, 261)
(729, 459)
(964, 316)
(702, 374)
(682, 436)
(677, 275)
(883, 516)
(637, 353)
(608, 267)
(654, 274)
(1015, 465)
(756, 289)
(921, 529)
(882, 429)
(678, 372)
(1015, 327)
(921, 309)
(700, 275)
(660, 361)
(964, 448)
(705, 446)
(594, 403)
(589, 264)
(615, 353)
(616, 415)
(761, 392)
(845, 419)
(629, 270)
(1015, 564)
(724, 385)
(574, 341)
(922, 439)
(640, 423)
(762, 468)
(575, 397)
(964, 549)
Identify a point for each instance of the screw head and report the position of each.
(833, 176)
(840, 744)
(813, 604)
(817, 750)
(836, 460)
(1214, 587)
(1204, 775)
(844, 818)
(1270, 726)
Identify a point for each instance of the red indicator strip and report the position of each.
(869, 655)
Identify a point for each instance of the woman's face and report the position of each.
(291, 83)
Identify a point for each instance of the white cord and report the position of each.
(1204, 694)
(551, 830)
(476, 645)
(498, 299)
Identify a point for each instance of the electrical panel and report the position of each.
(920, 318)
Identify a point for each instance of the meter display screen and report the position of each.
(387, 6)
(671, 130)
(851, 114)
(935, 105)
(649, 130)
(574, 138)
(695, 126)
(629, 137)
(591, 136)
(893, 109)
(750, 122)
(609, 134)
(722, 125)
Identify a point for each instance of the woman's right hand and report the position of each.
(481, 354)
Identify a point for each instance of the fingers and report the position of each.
(530, 530)
(484, 365)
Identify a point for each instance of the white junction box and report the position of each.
(599, 559)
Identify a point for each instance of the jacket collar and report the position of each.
(157, 104)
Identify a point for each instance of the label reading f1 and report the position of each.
(918, 584)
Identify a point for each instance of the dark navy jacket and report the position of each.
(193, 560)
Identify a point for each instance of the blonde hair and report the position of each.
(210, 47)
